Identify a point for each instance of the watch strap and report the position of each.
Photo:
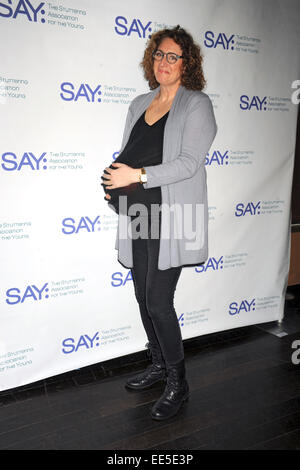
(143, 176)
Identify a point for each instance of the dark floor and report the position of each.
(245, 394)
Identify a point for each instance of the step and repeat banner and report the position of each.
(69, 70)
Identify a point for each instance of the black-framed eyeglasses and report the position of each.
(171, 56)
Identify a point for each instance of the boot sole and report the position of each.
(162, 418)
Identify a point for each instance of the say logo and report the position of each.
(11, 162)
(71, 345)
(250, 102)
(251, 208)
(220, 40)
(135, 26)
(25, 8)
(212, 264)
(84, 92)
(15, 295)
(244, 306)
(86, 224)
(217, 158)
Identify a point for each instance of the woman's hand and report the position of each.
(124, 175)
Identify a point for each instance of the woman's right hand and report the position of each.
(107, 196)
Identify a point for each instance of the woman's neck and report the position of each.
(167, 93)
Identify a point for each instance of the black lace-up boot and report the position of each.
(175, 394)
(154, 373)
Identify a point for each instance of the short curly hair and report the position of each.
(192, 76)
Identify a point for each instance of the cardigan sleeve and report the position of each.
(127, 123)
(199, 131)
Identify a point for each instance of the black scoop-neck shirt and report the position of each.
(144, 148)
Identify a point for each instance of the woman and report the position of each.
(161, 165)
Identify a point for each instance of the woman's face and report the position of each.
(165, 73)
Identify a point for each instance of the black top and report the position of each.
(144, 148)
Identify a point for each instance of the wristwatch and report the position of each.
(143, 176)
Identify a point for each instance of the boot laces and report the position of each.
(154, 354)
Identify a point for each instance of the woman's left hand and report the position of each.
(124, 175)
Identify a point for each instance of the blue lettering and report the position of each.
(209, 39)
(245, 306)
(19, 10)
(81, 342)
(256, 207)
(28, 159)
(250, 208)
(134, 28)
(144, 28)
(200, 268)
(9, 10)
(28, 293)
(35, 11)
(40, 291)
(216, 157)
(228, 40)
(119, 20)
(7, 160)
(83, 224)
(92, 92)
(72, 227)
(64, 87)
(221, 40)
(68, 344)
(82, 92)
(10, 294)
(233, 310)
(91, 340)
(37, 160)
(255, 102)
(118, 277)
(84, 341)
(93, 223)
(128, 277)
(244, 102)
(239, 209)
(211, 263)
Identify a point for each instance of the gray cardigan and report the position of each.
(189, 132)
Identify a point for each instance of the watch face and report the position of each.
(144, 178)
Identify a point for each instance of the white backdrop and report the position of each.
(68, 73)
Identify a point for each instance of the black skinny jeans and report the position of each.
(154, 291)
